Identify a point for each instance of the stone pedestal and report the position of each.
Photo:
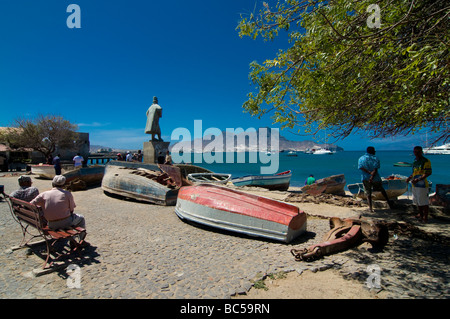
(153, 149)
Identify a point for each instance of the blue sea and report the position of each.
(345, 162)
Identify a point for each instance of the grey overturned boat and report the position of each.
(152, 183)
(211, 178)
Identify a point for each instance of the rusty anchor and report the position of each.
(345, 234)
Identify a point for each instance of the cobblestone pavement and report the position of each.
(145, 251)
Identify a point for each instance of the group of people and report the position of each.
(129, 157)
(369, 165)
(58, 204)
(78, 161)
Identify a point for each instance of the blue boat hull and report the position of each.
(271, 182)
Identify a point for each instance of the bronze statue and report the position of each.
(154, 113)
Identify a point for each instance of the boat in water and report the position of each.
(394, 185)
(292, 154)
(438, 150)
(278, 181)
(152, 183)
(403, 164)
(322, 151)
(214, 178)
(232, 210)
(329, 185)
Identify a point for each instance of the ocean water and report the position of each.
(320, 166)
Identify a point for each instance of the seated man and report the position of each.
(58, 206)
(25, 192)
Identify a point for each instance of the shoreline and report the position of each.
(144, 251)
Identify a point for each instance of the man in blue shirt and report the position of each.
(369, 165)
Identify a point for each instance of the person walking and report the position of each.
(78, 161)
(369, 165)
(420, 186)
(57, 164)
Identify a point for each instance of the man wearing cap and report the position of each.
(58, 206)
(25, 192)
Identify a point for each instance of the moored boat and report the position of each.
(214, 178)
(329, 185)
(233, 210)
(152, 183)
(278, 181)
(394, 186)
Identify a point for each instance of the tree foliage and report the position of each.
(44, 134)
(341, 75)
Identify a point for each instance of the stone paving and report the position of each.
(145, 251)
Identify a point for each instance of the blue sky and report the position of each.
(104, 76)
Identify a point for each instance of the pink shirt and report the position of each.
(56, 203)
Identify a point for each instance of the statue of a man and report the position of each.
(153, 114)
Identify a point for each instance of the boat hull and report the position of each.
(121, 179)
(214, 178)
(279, 181)
(394, 188)
(43, 171)
(236, 211)
(91, 175)
(329, 185)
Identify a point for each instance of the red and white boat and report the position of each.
(233, 210)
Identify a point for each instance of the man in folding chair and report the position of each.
(58, 206)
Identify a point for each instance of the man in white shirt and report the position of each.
(78, 161)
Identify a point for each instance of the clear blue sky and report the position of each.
(103, 76)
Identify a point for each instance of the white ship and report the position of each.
(438, 150)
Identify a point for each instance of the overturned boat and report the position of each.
(278, 181)
(329, 185)
(91, 175)
(214, 178)
(233, 210)
(44, 171)
(152, 183)
(394, 186)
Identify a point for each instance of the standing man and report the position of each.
(78, 160)
(420, 186)
(57, 164)
(369, 165)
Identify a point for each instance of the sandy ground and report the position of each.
(327, 284)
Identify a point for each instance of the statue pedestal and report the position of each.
(153, 149)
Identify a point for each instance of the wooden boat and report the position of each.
(278, 181)
(236, 211)
(403, 164)
(91, 175)
(214, 178)
(44, 171)
(152, 183)
(442, 196)
(394, 186)
(187, 169)
(329, 185)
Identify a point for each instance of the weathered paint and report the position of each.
(279, 181)
(237, 211)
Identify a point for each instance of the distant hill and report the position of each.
(248, 141)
